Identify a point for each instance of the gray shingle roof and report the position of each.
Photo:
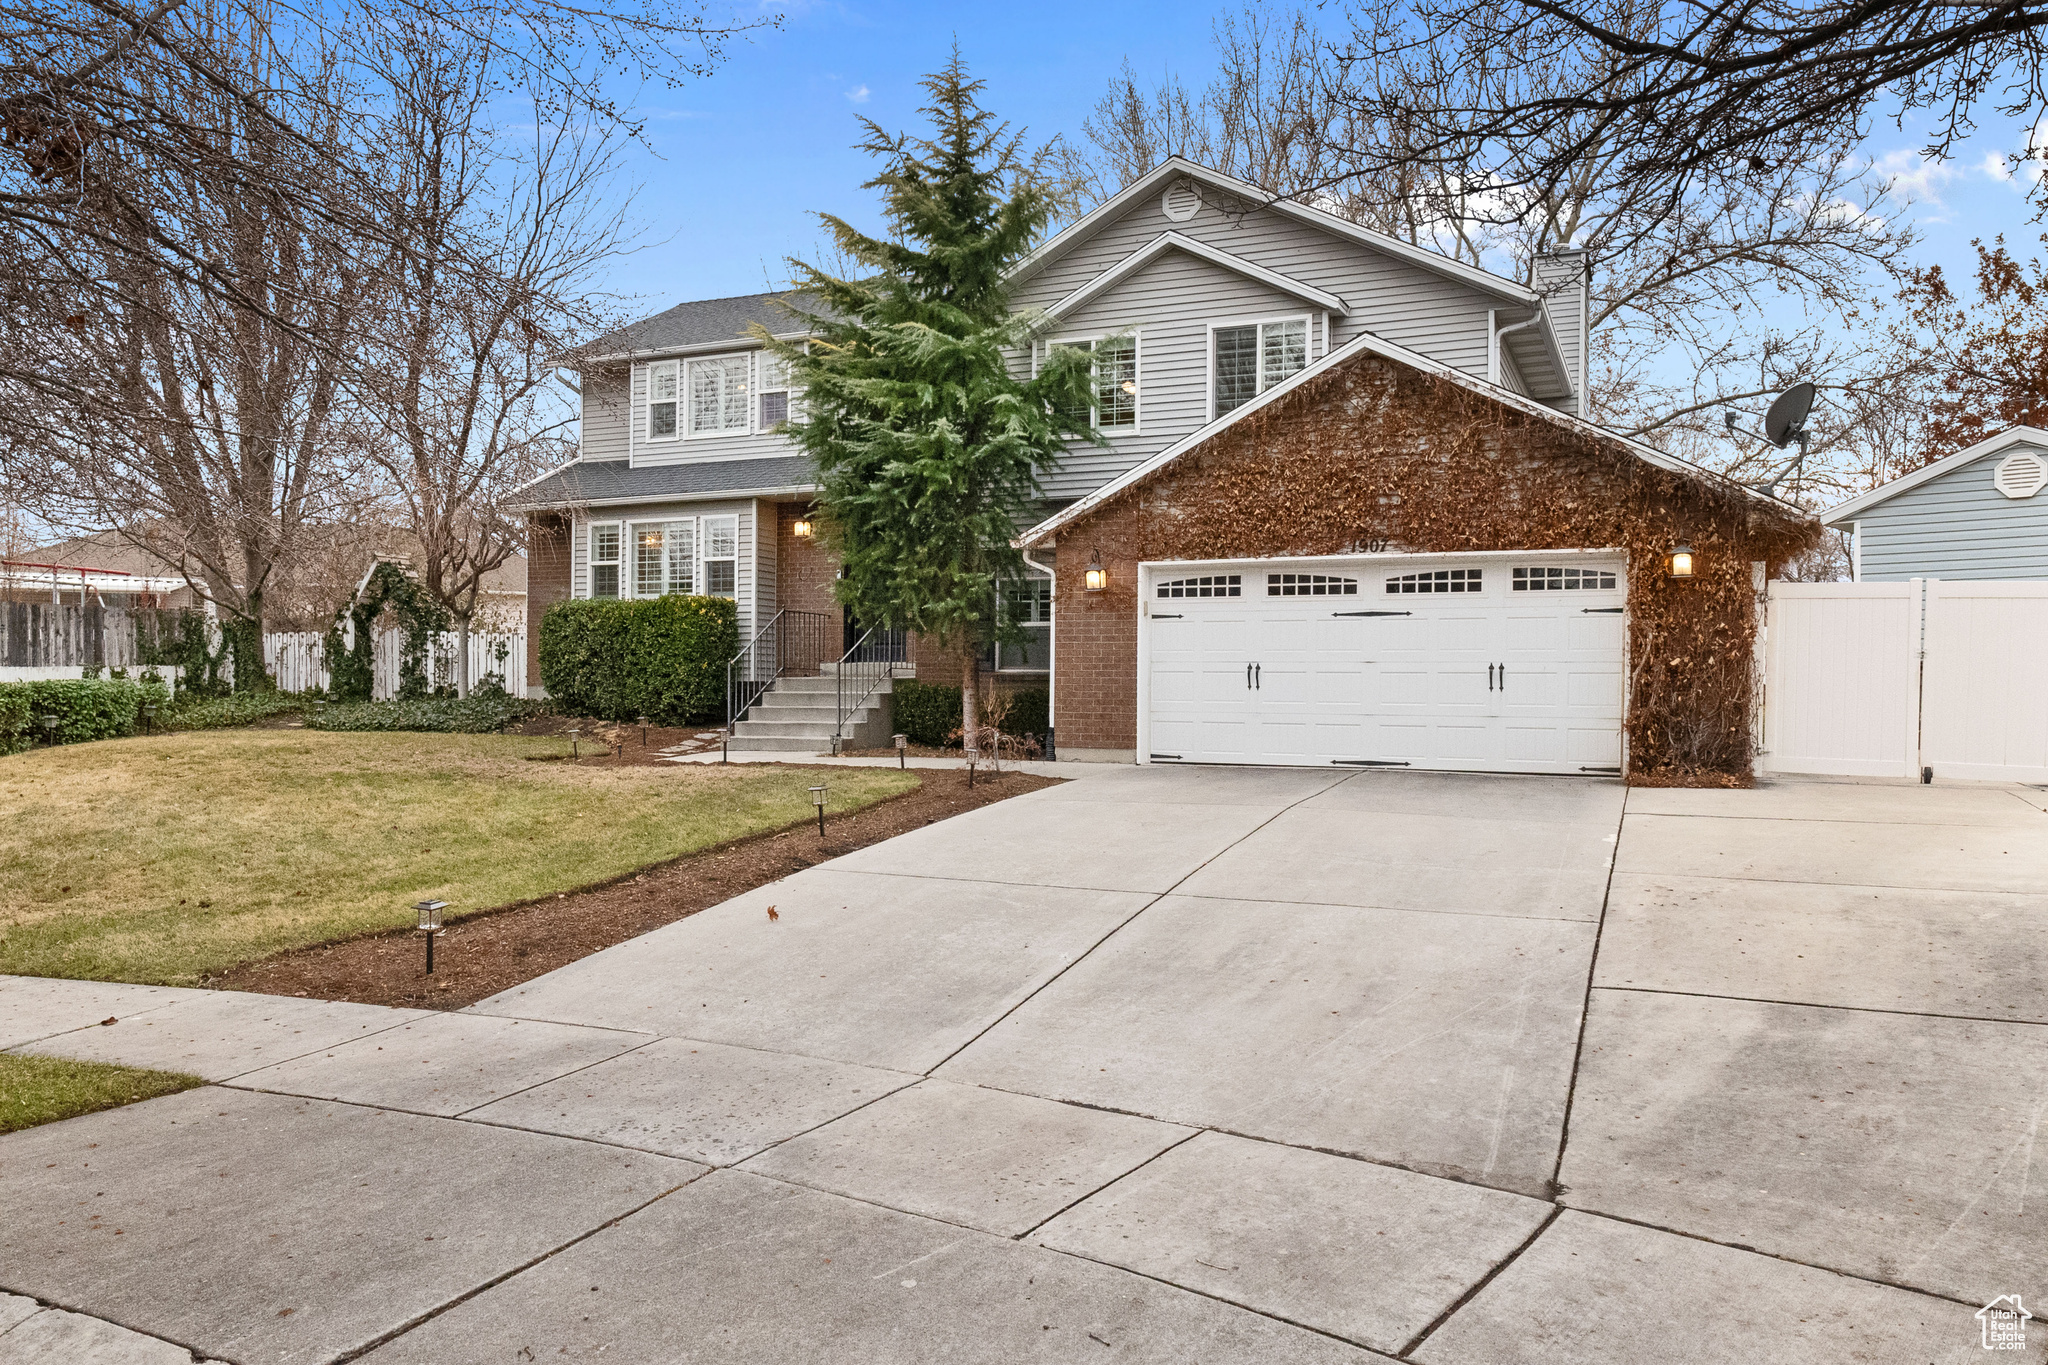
(607, 481)
(705, 322)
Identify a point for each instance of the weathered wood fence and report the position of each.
(40, 635)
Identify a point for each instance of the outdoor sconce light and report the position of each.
(1094, 577)
(802, 529)
(1681, 560)
(430, 925)
(49, 724)
(902, 742)
(818, 800)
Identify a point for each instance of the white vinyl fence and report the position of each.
(298, 662)
(1887, 679)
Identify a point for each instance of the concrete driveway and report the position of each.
(1160, 1065)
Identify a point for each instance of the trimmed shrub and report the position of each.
(663, 657)
(100, 708)
(1030, 713)
(195, 712)
(927, 713)
(476, 716)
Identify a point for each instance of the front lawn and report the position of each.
(37, 1090)
(170, 859)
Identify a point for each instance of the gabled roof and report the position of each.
(1174, 168)
(1369, 344)
(703, 324)
(1905, 483)
(1174, 241)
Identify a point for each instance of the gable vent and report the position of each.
(2021, 474)
(1180, 202)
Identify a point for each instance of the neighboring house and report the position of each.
(1222, 326)
(1981, 513)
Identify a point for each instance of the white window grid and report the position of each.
(715, 388)
(664, 400)
(1438, 580)
(603, 567)
(1562, 580)
(1208, 585)
(1310, 585)
(1119, 393)
(1280, 349)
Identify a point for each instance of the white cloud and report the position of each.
(1996, 166)
(1907, 172)
(859, 94)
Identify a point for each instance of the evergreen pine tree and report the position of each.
(928, 446)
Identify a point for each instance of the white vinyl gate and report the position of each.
(1888, 679)
(1494, 663)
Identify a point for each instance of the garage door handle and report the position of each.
(1602, 611)
(1489, 677)
(1247, 677)
(1259, 676)
(1372, 613)
(1166, 616)
(1503, 677)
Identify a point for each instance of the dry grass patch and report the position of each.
(169, 860)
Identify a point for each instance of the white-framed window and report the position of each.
(1115, 406)
(663, 382)
(1562, 580)
(721, 556)
(716, 388)
(776, 402)
(1251, 357)
(1031, 599)
(664, 557)
(1208, 585)
(604, 558)
(1438, 580)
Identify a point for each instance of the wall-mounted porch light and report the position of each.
(802, 528)
(1094, 578)
(1679, 562)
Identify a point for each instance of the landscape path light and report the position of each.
(818, 800)
(148, 716)
(902, 743)
(49, 723)
(430, 925)
(574, 733)
(643, 732)
(973, 757)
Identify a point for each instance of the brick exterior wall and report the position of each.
(547, 579)
(1376, 452)
(803, 570)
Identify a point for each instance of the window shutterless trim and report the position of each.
(1261, 322)
(1042, 348)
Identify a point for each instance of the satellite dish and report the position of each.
(1787, 417)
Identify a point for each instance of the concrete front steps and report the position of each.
(797, 715)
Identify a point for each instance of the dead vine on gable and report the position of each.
(1375, 452)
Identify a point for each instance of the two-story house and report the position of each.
(1217, 317)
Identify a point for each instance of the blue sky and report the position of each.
(740, 162)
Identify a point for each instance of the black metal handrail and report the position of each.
(792, 644)
(863, 669)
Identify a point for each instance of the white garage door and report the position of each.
(1495, 664)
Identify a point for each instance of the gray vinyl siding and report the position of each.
(1403, 303)
(767, 545)
(745, 572)
(672, 450)
(1956, 526)
(1169, 305)
(1562, 278)
(604, 433)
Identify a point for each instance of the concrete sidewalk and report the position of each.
(1166, 1065)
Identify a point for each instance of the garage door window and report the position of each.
(1561, 580)
(1309, 585)
(1442, 580)
(1212, 585)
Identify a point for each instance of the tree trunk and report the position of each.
(462, 679)
(970, 700)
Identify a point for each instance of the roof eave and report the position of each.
(1906, 483)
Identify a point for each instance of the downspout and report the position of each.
(1493, 366)
(1052, 657)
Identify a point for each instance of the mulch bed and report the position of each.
(494, 950)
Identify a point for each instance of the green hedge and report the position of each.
(475, 716)
(192, 711)
(662, 657)
(929, 714)
(101, 708)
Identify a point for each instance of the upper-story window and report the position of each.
(718, 394)
(662, 386)
(775, 391)
(1252, 357)
(1116, 381)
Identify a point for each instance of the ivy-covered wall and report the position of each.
(1376, 451)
